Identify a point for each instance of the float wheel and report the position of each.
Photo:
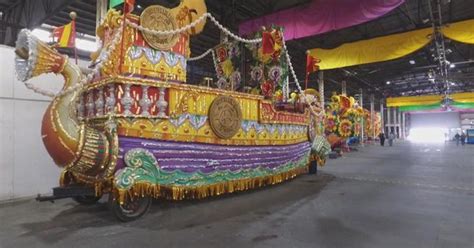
(131, 209)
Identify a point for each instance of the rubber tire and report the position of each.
(120, 213)
(86, 200)
(313, 167)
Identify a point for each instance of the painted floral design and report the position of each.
(221, 83)
(345, 128)
(235, 79)
(331, 123)
(257, 73)
(275, 73)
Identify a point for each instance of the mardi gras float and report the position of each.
(134, 129)
(377, 125)
(343, 120)
(371, 126)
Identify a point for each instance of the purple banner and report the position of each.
(321, 16)
(191, 157)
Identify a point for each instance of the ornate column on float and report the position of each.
(372, 117)
(321, 87)
(361, 101)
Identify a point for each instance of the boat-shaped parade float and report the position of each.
(133, 128)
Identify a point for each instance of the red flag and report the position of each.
(311, 64)
(128, 6)
(310, 67)
(268, 43)
(66, 35)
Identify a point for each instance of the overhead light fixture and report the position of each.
(388, 82)
(452, 65)
(452, 84)
(412, 62)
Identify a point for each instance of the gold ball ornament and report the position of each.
(293, 96)
(73, 15)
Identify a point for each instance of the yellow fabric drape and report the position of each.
(460, 31)
(373, 50)
(413, 100)
(388, 47)
(466, 97)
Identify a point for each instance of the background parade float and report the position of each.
(343, 120)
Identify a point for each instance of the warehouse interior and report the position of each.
(340, 123)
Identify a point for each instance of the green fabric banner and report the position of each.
(420, 107)
(459, 105)
(463, 105)
(113, 3)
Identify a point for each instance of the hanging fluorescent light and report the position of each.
(452, 65)
(388, 82)
(412, 62)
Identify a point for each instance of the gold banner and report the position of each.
(388, 47)
(373, 50)
(460, 31)
(466, 97)
(413, 100)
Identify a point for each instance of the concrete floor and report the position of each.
(403, 196)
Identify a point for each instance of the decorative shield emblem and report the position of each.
(157, 17)
(225, 116)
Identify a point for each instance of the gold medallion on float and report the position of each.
(159, 18)
(225, 116)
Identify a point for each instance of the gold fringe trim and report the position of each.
(199, 192)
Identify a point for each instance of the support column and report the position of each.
(101, 11)
(399, 123)
(382, 116)
(344, 88)
(403, 126)
(389, 119)
(321, 88)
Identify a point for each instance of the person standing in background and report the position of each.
(391, 137)
(382, 139)
(457, 137)
(463, 138)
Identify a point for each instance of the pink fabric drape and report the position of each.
(321, 16)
